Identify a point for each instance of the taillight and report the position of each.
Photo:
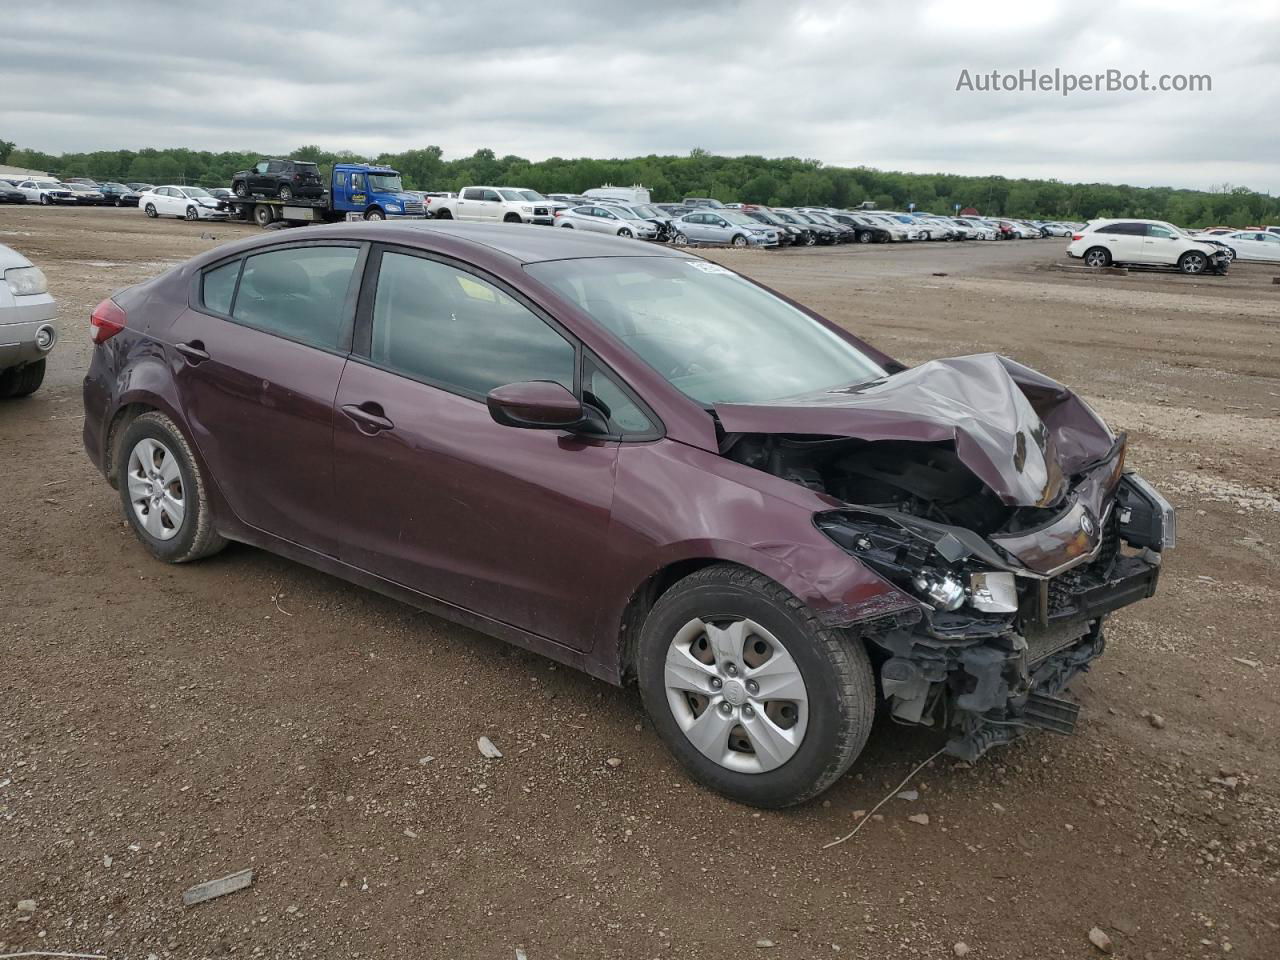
(1077, 236)
(107, 320)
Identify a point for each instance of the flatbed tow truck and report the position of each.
(356, 190)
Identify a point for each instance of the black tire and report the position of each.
(263, 215)
(196, 537)
(512, 218)
(150, 211)
(192, 214)
(285, 192)
(22, 381)
(625, 233)
(1097, 257)
(567, 226)
(864, 236)
(836, 671)
(738, 240)
(444, 215)
(374, 213)
(44, 199)
(810, 239)
(1193, 263)
(240, 189)
(119, 202)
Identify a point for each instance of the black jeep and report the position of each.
(285, 179)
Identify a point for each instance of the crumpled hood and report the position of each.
(1019, 432)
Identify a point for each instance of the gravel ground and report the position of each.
(163, 726)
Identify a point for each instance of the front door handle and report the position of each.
(194, 352)
(368, 417)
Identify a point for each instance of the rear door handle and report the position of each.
(368, 417)
(193, 351)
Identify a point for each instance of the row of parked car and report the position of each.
(704, 220)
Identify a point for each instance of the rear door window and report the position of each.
(300, 293)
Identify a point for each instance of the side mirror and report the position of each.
(535, 405)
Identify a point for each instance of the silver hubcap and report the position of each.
(1096, 259)
(155, 489)
(1193, 264)
(737, 694)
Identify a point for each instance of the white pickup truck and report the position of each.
(495, 205)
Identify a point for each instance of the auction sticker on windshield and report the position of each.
(706, 267)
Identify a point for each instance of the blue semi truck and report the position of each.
(368, 191)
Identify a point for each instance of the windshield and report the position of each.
(48, 185)
(647, 211)
(386, 182)
(195, 192)
(532, 195)
(785, 217)
(715, 336)
(741, 219)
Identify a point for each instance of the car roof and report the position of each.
(522, 243)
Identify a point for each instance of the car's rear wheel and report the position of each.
(1097, 257)
(163, 492)
(150, 210)
(22, 381)
(193, 213)
(263, 214)
(751, 693)
(444, 215)
(1193, 262)
(285, 192)
(738, 240)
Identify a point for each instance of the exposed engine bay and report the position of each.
(1016, 531)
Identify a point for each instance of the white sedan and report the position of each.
(1251, 244)
(190, 203)
(606, 219)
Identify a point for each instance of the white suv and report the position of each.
(1146, 243)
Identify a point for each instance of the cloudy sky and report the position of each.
(848, 83)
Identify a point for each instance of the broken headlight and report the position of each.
(944, 566)
(993, 591)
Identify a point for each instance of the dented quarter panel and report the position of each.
(676, 502)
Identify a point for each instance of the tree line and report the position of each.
(777, 181)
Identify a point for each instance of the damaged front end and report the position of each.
(1016, 536)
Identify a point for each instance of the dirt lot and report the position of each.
(161, 726)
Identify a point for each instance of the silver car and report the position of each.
(731, 227)
(618, 221)
(26, 324)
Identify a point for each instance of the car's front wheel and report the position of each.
(1193, 262)
(738, 240)
(163, 492)
(625, 233)
(751, 693)
(374, 213)
(679, 239)
(193, 213)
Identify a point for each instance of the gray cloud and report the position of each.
(871, 83)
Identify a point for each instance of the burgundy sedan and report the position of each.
(639, 463)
